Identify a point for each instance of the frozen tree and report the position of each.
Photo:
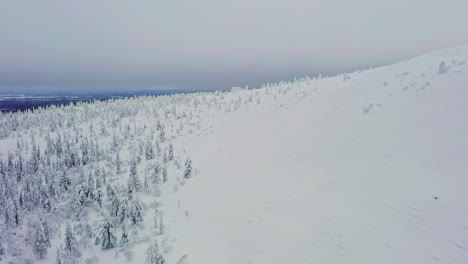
(161, 225)
(40, 242)
(108, 239)
(91, 186)
(115, 207)
(171, 152)
(13, 213)
(164, 174)
(188, 169)
(110, 192)
(115, 142)
(70, 243)
(149, 149)
(146, 183)
(10, 213)
(162, 135)
(346, 77)
(123, 211)
(46, 230)
(98, 197)
(155, 174)
(58, 258)
(153, 255)
(133, 180)
(124, 238)
(135, 212)
(118, 164)
(65, 182)
(2, 248)
(442, 68)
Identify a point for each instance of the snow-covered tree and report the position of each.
(2, 248)
(442, 68)
(70, 242)
(58, 257)
(153, 255)
(135, 212)
(98, 197)
(171, 152)
(118, 164)
(188, 169)
(134, 181)
(164, 174)
(115, 207)
(108, 239)
(124, 237)
(149, 149)
(40, 242)
(161, 225)
(123, 211)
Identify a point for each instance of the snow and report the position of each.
(318, 181)
(367, 167)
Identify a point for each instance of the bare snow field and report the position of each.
(365, 167)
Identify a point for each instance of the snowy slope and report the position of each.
(367, 167)
(317, 180)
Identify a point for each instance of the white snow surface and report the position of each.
(364, 168)
(312, 179)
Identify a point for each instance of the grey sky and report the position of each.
(207, 44)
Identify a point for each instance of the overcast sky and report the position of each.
(207, 44)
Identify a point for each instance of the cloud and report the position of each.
(206, 43)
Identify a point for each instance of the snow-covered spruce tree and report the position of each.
(135, 212)
(153, 255)
(115, 142)
(40, 242)
(108, 239)
(98, 197)
(123, 211)
(161, 225)
(164, 174)
(58, 257)
(442, 68)
(162, 135)
(149, 149)
(110, 192)
(10, 213)
(188, 169)
(171, 152)
(2, 248)
(118, 164)
(133, 180)
(65, 182)
(155, 173)
(70, 242)
(44, 222)
(146, 183)
(115, 207)
(98, 176)
(124, 238)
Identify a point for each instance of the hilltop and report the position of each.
(364, 167)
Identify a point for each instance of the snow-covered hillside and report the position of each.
(366, 167)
